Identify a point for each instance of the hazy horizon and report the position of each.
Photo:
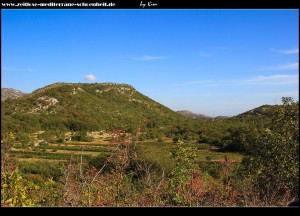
(213, 62)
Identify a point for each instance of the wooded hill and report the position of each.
(99, 106)
(63, 107)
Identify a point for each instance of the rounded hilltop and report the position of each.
(59, 84)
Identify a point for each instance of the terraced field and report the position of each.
(156, 152)
(61, 151)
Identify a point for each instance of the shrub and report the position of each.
(273, 160)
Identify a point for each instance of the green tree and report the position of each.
(273, 160)
(7, 141)
(24, 138)
(181, 175)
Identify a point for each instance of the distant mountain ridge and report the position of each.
(99, 106)
(192, 115)
(10, 93)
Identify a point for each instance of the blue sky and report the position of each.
(215, 62)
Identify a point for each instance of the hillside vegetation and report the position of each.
(108, 145)
(89, 107)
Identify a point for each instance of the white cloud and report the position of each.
(205, 54)
(6, 69)
(279, 94)
(148, 58)
(286, 52)
(287, 66)
(277, 79)
(221, 48)
(274, 80)
(197, 82)
(90, 77)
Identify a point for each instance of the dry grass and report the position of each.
(39, 160)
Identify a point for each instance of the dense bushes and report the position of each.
(123, 176)
(45, 169)
(273, 159)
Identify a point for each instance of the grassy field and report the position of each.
(156, 152)
(152, 151)
(161, 153)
